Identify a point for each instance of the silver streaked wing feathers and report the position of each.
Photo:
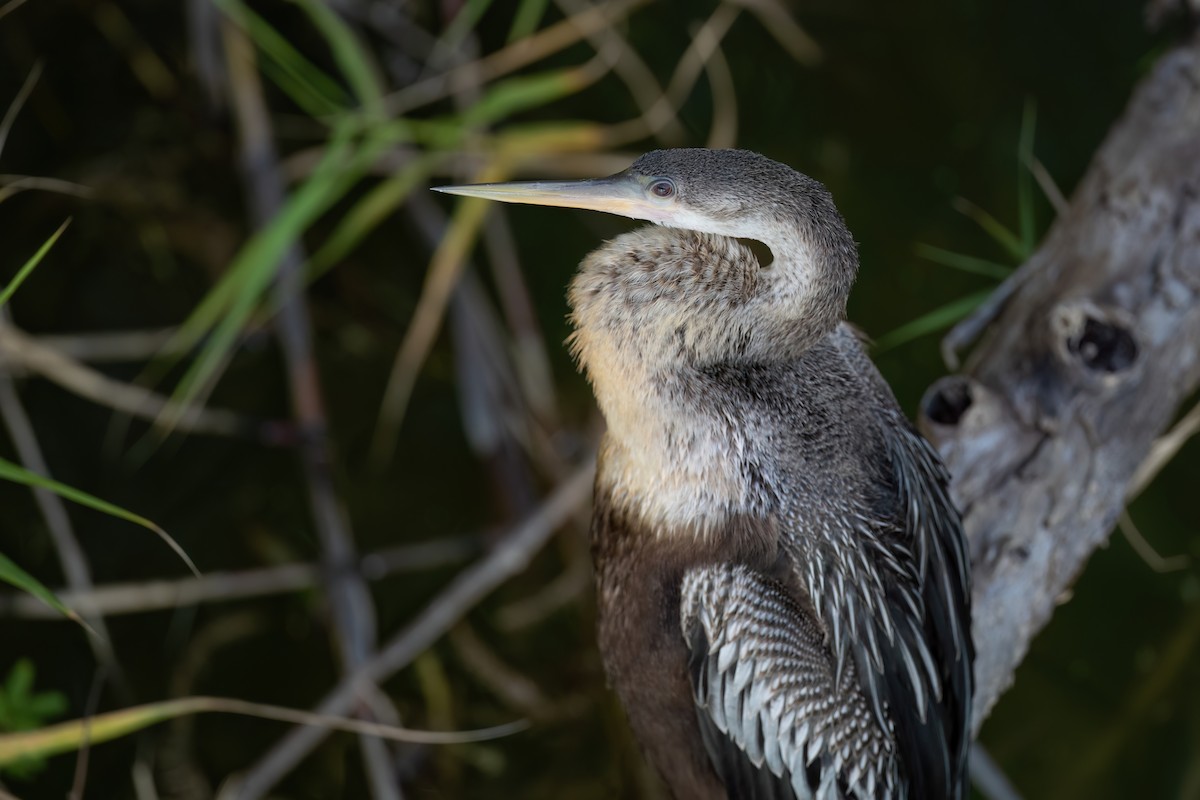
(777, 721)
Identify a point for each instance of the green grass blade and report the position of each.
(965, 263)
(369, 212)
(992, 227)
(1025, 177)
(67, 736)
(255, 266)
(463, 23)
(300, 93)
(311, 89)
(525, 21)
(936, 320)
(348, 52)
(12, 574)
(31, 264)
(18, 474)
(230, 302)
(514, 95)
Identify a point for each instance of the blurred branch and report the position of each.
(353, 611)
(5, 10)
(510, 557)
(11, 185)
(1163, 450)
(70, 555)
(571, 583)
(14, 108)
(658, 112)
(533, 48)
(1093, 345)
(19, 350)
(704, 47)
(988, 778)
(1146, 551)
(1080, 776)
(145, 65)
(774, 16)
(530, 355)
(515, 690)
(1046, 182)
(142, 596)
(107, 346)
(724, 130)
(444, 270)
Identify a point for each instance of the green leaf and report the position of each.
(307, 85)
(223, 312)
(14, 575)
(66, 736)
(976, 266)
(992, 227)
(463, 23)
(935, 320)
(514, 95)
(365, 215)
(348, 52)
(21, 709)
(31, 264)
(20, 680)
(526, 20)
(18, 474)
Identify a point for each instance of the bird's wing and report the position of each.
(775, 721)
(917, 668)
(934, 742)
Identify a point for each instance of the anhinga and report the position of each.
(782, 578)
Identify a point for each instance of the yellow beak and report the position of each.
(617, 194)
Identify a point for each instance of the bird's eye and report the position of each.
(662, 187)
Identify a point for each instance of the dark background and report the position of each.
(913, 106)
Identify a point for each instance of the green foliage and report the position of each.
(22, 709)
(12, 574)
(964, 263)
(30, 265)
(18, 474)
(305, 83)
(1020, 247)
(526, 20)
(933, 321)
(9, 571)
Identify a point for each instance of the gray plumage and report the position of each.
(782, 580)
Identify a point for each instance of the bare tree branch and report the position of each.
(137, 597)
(1093, 345)
(353, 620)
(510, 557)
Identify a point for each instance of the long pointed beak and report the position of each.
(617, 194)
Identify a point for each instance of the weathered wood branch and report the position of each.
(1091, 348)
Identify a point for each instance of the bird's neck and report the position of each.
(653, 310)
(670, 457)
(802, 294)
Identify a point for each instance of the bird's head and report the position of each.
(734, 193)
(693, 269)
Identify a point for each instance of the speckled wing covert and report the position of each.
(773, 721)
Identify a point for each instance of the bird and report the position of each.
(782, 581)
